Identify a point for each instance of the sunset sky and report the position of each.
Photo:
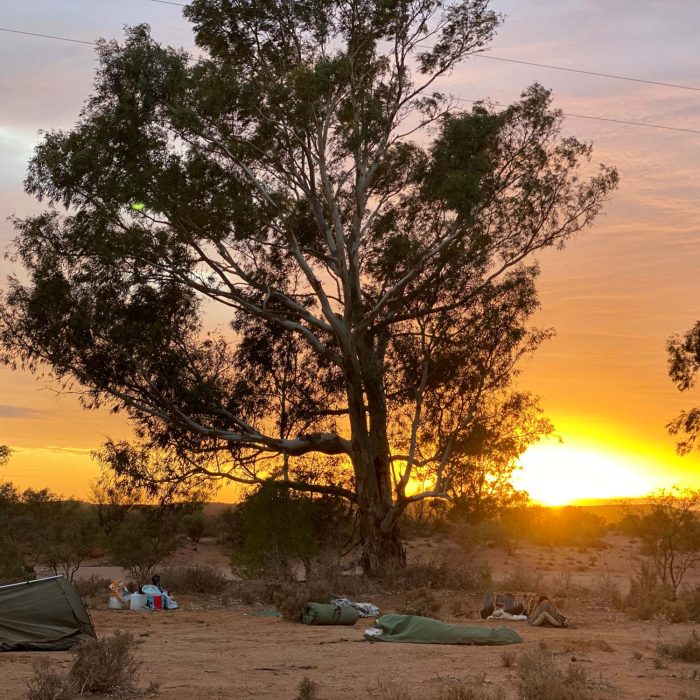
(614, 295)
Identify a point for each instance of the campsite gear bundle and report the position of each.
(42, 615)
(149, 597)
(321, 614)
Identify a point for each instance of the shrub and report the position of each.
(106, 666)
(436, 575)
(48, 683)
(307, 690)
(253, 592)
(540, 678)
(92, 586)
(142, 542)
(195, 526)
(193, 579)
(421, 601)
(279, 526)
(292, 597)
(682, 651)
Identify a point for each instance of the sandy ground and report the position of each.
(205, 650)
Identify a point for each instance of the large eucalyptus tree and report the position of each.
(365, 247)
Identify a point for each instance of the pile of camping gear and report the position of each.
(148, 597)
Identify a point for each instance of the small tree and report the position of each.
(144, 541)
(683, 366)
(670, 533)
(70, 538)
(5, 453)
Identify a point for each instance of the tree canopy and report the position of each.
(683, 366)
(366, 248)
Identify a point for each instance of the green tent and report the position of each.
(414, 629)
(43, 615)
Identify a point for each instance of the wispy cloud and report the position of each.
(9, 411)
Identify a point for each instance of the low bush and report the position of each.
(292, 597)
(421, 601)
(540, 678)
(93, 586)
(48, 683)
(688, 650)
(108, 665)
(193, 579)
(307, 690)
(255, 592)
(436, 575)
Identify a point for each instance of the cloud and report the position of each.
(8, 411)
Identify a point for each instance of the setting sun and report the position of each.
(557, 475)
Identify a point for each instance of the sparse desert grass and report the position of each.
(521, 579)
(48, 683)
(689, 650)
(540, 678)
(421, 601)
(100, 666)
(474, 689)
(108, 665)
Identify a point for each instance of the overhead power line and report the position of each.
(600, 119)
(48, 36)
(167, 2)
(586, 72)
(629, 122)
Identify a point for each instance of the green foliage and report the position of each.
(371, 281)
(683, 366)
(195, 526)
(71, 536)
(279, 526)
(670, 533)
(144, 541)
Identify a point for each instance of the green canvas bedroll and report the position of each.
(424, 630)
(43, 615)
(320, 614)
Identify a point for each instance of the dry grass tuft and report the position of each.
(421, 601)
(540, 678)
(106, 666)
(307, 690)
(48, 683)
(682, 651)
(292, 597)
